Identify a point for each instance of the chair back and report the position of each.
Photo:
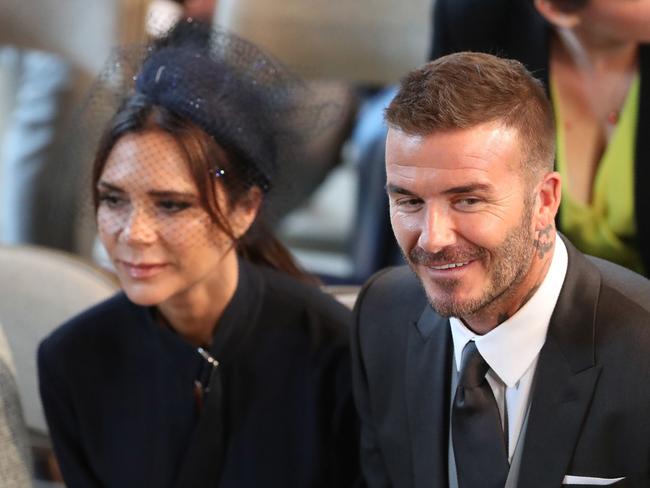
(39, 290)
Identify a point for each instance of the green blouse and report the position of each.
(607, 226)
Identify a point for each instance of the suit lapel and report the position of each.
(428, 377)
(565, 379)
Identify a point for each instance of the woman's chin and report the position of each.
(145, 296)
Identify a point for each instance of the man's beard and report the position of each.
(508, 266)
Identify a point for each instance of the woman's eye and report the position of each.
(173, 206)
(111, 200)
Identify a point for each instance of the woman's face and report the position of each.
(161, 241)
(617, 20)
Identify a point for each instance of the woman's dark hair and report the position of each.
(203, 156)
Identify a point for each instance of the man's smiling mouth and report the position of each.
(449, 266)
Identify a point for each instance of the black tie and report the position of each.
(479, 442)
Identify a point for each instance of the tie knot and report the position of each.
(472, 366)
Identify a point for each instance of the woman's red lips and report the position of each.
(141, 270)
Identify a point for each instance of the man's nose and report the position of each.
(437, 230)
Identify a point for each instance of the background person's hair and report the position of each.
(203, 157)
(463, 90)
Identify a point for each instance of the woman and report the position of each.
(216, 366)
(594, 57)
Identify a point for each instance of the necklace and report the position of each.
(612, 117)
(598, 90)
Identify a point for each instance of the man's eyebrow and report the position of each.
(390, 188)
(469, 188)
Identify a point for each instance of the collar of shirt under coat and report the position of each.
(512, 346)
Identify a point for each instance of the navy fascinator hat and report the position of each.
(254, 108)
(250, 104)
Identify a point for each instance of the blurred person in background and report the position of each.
(162, 15)
(219, 364)
(594, 58)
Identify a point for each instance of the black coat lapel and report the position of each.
(206, 452)
(565, 379)
(203, 459)
(160, 391)
(428, 375)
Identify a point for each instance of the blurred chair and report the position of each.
(40, 289)
(15, 458)
(345, 294)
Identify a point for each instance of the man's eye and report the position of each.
(173, 206)
(111, 200)
(468, 202)
(408, 202)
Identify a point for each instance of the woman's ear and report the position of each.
(244, 213)
(556, 16)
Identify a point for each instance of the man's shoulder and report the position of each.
(391, 292)
(619, 283)
(614, 304)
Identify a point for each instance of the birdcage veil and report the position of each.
(258, 113)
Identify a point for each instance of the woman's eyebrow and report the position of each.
(108, 186)
(172, 194)
(154, 193)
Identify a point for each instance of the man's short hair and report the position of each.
(466, 89)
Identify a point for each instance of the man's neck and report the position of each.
(515, 297)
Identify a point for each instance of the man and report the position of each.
(593, 56)
(503, 356)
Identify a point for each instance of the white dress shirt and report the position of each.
(512, 349)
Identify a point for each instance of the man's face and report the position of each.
(462, 213)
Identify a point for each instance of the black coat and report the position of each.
(118, 393)
(514, 29)
(589, 402)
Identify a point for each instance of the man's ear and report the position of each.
(244, 213)
(549, 195)
(560, 18)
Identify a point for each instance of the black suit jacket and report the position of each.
(590, 400)
(117, 389)
(514, 29)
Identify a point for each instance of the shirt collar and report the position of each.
(511, 348)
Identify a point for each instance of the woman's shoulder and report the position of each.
(290, 297)
(305, 294)
(94, 327)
